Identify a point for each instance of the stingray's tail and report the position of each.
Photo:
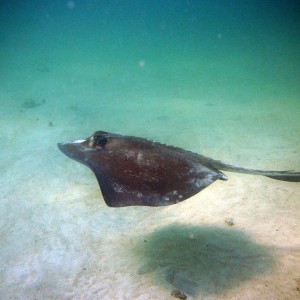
(278, 175)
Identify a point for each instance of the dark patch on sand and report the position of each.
(32, 103)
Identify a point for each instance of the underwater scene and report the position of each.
(150, 149)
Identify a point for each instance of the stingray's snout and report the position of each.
(63, 147)
(75, 150)
(67, 148)
(60, 146)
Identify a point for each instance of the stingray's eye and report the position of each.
(100, 141)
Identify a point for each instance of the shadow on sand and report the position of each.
(201, 260)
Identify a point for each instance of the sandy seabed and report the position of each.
(238, 239)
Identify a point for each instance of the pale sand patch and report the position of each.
(60, 241)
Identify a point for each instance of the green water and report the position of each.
(220, 78)
(204, 75)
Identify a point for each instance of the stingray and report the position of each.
(136, 171)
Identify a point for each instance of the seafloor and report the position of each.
(60, 241)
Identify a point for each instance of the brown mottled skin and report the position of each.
(136, 171)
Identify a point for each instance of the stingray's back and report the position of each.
(141, 172)
(135, 171)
